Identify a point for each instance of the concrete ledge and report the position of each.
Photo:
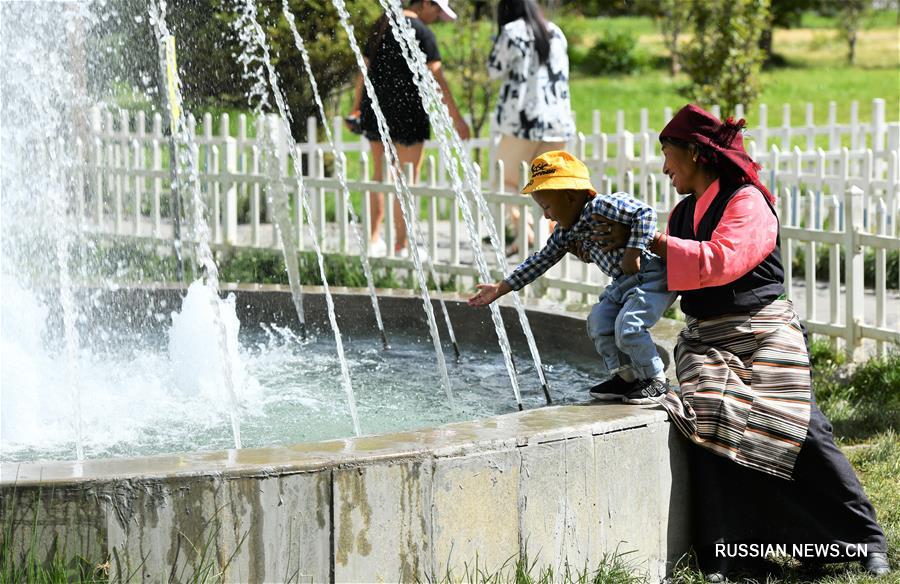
(567, 483)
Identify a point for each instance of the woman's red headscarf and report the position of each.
(694, 124)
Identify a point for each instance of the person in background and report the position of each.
(398, 97)
(534, 114)
(764, 466)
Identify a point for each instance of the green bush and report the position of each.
(823, 266)
(876, 383)
(859, 402)
(723, 58)
(613, 53)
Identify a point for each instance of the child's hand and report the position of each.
(631, 261)
(487, 293)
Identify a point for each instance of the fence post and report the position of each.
(763, 128)
(810, 128)
(624, 154)
(231, 169)
(365, 212)
(879, 134)
(879, 127)
(96, 176)
(786, 127)
(787, 245)
(853, 226)
(893, 177)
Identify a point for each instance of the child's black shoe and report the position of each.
(613, 389)
(647, 391)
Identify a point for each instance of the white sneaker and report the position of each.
(404, 253)
(377, 248)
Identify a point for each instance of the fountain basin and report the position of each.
(567, 483)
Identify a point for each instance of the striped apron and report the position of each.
(744, 387)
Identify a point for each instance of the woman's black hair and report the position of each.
(376, 36)
(510, 10)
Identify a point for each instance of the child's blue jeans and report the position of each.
(621, 320)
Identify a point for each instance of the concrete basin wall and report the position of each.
(567, 484)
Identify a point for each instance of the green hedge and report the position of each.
(823, 266)
(143, 262)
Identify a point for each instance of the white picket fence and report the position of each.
(843, 198)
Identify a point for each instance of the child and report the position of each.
(635, 299)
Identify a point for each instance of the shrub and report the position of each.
(823, 266)
(613, 53)
(876, 383)
(861, 403)
(723, 59)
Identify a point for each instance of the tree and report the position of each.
(850, 19)
(465, 62)
(723, 59)
(783, 14)
(673, 18)
(209, 50)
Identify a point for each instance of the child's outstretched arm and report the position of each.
(487, 293)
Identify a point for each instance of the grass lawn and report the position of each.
(816, 72)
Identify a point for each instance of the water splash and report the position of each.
(341, 163)
(259, 38)
(451, 144)
(40, 113)
(199, 367)
(402, 192)
(187, 182)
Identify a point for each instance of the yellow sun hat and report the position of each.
(557, 170)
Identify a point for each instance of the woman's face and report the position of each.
(680, 168)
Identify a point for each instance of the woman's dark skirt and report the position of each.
(824, 504)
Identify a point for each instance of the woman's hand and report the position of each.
(631, 261)
(611, 235)
(577, 249)
(487, 293)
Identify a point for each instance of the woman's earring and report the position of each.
(694, 158)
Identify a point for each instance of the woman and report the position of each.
(533, 113)
(765, 468)
(399, 100)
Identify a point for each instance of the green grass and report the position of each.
(861, 401)
(656, 90)
(613, 568)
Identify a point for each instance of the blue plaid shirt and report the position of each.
(620, 207)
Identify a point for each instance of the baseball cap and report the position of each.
(557, 170)
(448, 13)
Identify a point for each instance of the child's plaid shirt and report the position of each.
(620, 207)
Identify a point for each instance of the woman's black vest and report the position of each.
(755, 289)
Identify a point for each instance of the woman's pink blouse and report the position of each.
(743, 238)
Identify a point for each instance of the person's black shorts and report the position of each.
(406, 127)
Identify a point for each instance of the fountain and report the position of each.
(169, 420)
